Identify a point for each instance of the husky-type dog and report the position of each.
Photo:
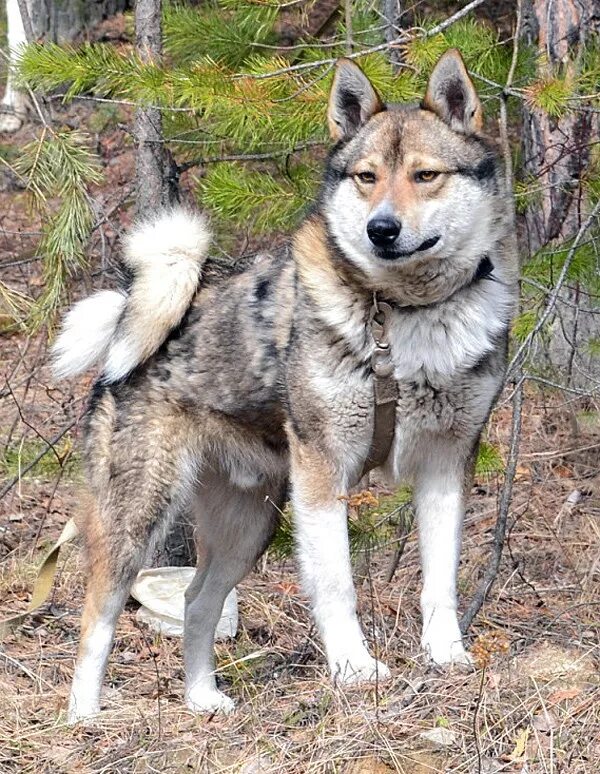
(221, 387)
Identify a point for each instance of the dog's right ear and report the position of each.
(352, 101)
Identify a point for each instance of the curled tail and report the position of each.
(123, 329)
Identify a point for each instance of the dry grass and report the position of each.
(533, 708)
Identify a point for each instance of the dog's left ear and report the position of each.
(452, 96)
(352, 100)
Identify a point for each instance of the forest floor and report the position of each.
(533, 708)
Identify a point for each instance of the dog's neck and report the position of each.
(484, 271)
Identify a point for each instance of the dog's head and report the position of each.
(411, 187)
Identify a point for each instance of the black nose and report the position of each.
(383, 232)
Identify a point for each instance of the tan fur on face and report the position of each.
(315, 268)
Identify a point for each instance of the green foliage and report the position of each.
(282, 544)
(103, 117)
(96, 68)
(240, 195)
(15, 458)
(14, 309)
(58, 168)
(228, 35)
(372, 526)
(369, 527)
(222, 66)
(528, 193)
(591, 181)
(589, 420)
(227, 91)
(489, 460)
(524, 324)
(545, 266)
(551, 94)
(593, 347)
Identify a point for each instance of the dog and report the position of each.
(222, 390)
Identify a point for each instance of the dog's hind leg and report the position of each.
(138, 475)
(234, 526)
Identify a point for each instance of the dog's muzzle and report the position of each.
(388, 252)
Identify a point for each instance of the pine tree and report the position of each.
(248, 115)
(560, 168)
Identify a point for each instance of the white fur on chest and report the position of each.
(449, 338)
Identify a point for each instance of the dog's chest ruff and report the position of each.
(420, 355)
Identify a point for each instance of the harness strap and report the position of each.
(385, 387)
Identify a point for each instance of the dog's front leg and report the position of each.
(439, 500)
(324, 556)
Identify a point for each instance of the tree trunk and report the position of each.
(556, 152)
(156, 172)
(156, 183)
(395, 19)
(62, 21)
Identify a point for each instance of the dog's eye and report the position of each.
(366, 177)
(426, 176)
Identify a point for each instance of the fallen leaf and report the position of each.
(562, 695)
(287, 587)
(440, 737)
(563, 471)
(520, 744)
(545, 722)
(522, 473)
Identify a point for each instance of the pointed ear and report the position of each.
(352, 100)
(452, 96)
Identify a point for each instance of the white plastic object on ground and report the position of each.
(161, 590)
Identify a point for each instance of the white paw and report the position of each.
(442, 640)
(79, 712)
(354, 670)
(212, 700)
(10, 122)
(447, 653)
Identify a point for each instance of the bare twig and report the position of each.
(400, 40)
(557, 386)
(404, 527)
(28, 424)
(475, 718)
(348, 21)
(503, 109)
(248, 156)
(500, 531)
